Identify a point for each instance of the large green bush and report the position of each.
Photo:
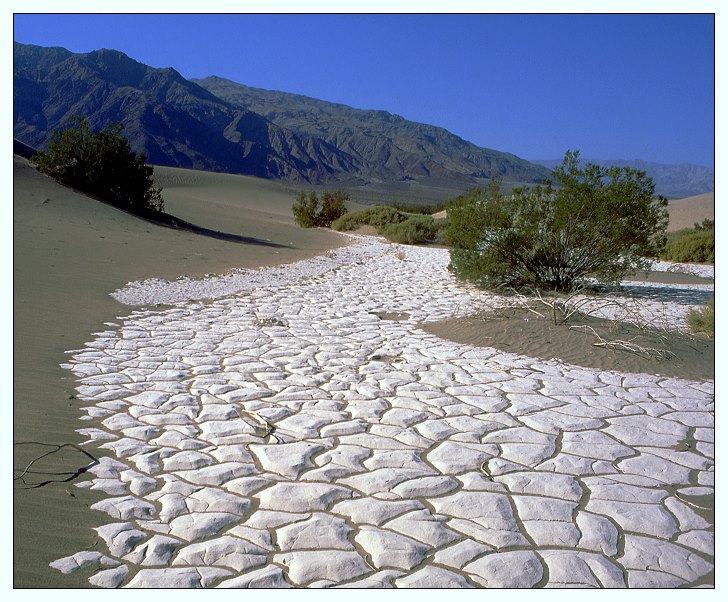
(694, 246)
(414, 230)
(309, 211)
(377, 216)
(102, 164)
(585, 222)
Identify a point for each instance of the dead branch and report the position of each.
(268, 428)
(71, 474)
(628, 345)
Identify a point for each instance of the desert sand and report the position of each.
(70, 253)
(363, 319)
(521, 331)
(684, 213)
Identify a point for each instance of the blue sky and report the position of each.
(612, 86)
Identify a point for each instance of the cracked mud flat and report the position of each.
(291, 435)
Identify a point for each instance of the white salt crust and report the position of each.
(286, 433)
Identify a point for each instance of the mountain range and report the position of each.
(219, 125)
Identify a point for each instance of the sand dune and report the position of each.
(684, 213)
(70, 252)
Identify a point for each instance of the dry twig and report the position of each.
(628, 345)
(71, 475)
(262, 424)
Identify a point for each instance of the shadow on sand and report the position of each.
(175, 223)
(673, 294)
(163, 219)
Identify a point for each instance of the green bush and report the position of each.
(416, 229)
(305, 209)
(693, 246)
(394, 225)
(424, 209)
(332, 208)
(309, 212)
(588, 222)
(707, 224)
(702, 321)
(101, 164)
(378, 217)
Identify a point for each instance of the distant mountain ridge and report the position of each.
(173, 121)
(671, 180)
(379, 143)
(218, 125)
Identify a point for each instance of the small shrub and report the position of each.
(706, 224)
(424, 209)
(441, 232)
(382, 217)
(305, 209)
(101, 164)
(378, 217)
(702, 321)
(347, 222)
(309, 212)
(333, 207)
(416, 229)
(394, 225)
(692, 246)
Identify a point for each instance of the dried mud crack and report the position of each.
(305, 431)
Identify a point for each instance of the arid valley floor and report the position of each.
(298, 411)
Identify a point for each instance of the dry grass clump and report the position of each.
(702, 321)
(629, 329)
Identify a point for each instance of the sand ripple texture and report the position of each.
(306, 433)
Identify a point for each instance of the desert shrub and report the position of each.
(305, 209)
(586, 222)
(333, 207)
(706, 224)
(693, 246)
(378, 217)
(347, 222)
(423, 208)
(101, 164)
(309, 212)
(396, 226)
(441, 226)
(702, 321)
(416, 229)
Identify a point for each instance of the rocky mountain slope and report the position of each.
(384, 146)
(218, 125)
